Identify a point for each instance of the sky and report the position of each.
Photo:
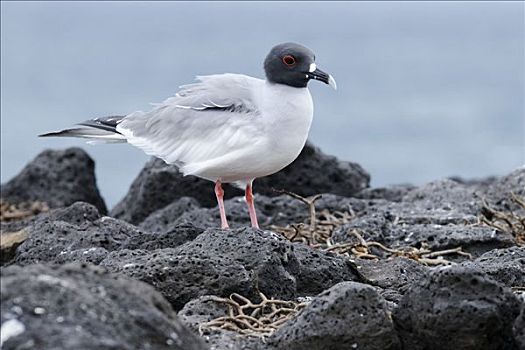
(425, 89)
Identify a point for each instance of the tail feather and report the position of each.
(98, 130)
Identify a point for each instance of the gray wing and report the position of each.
(231, 92)
(202, 122)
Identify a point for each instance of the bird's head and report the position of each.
(294, 65)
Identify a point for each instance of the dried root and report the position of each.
(253, 319)
(318, 232)
(11, 212)
(320, 226)
(510, 222)
(363, 249)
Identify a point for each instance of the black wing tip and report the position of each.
(48, 134)
(56, 133)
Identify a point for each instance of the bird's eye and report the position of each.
(289, 60)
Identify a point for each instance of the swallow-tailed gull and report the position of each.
(226, 128)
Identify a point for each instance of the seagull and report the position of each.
(225, 128)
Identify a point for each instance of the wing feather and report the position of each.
(203, 123)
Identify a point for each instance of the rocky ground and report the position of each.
(441, 266)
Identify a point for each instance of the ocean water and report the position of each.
(426, 89)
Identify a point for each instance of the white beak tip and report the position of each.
(331, 82)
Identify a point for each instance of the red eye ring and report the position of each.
(289, 60)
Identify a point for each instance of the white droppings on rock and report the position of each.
(39, 310)
(11, 328)
(89, 250)
(175, 339)
(54, 280)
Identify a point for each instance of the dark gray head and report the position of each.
(294, 65)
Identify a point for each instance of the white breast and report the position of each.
(287, 113)
(283, 125)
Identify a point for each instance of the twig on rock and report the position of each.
(10, 212)
(310, 202)
(318, 234)
(424, 255)
(325, 223)
(320, 226)
(253, 319)
(509, 222)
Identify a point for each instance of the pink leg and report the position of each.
(219, 192)
(251, 207)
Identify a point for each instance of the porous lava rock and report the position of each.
(57, 177)
(78, 306)
(349, 315)
(245, 261)
(457, 308)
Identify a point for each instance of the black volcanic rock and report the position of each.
(396, 273)
(499, 192)
(457, 308)
(313, 172)
(347, 316)
(77, 214)
(445, 195)
(319, 270)
(82, 307)
(173, 236)
(393, 193)
(270, 211)
(281, 211)
(58, 178)
(506, 266)
(519, 329)
(220, 262)
(160, 220)
(79, 233)
(440, 215)
(178, 249)
(158, 185)
(473, 239)
(75, 233)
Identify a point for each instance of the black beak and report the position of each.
(326, 78)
